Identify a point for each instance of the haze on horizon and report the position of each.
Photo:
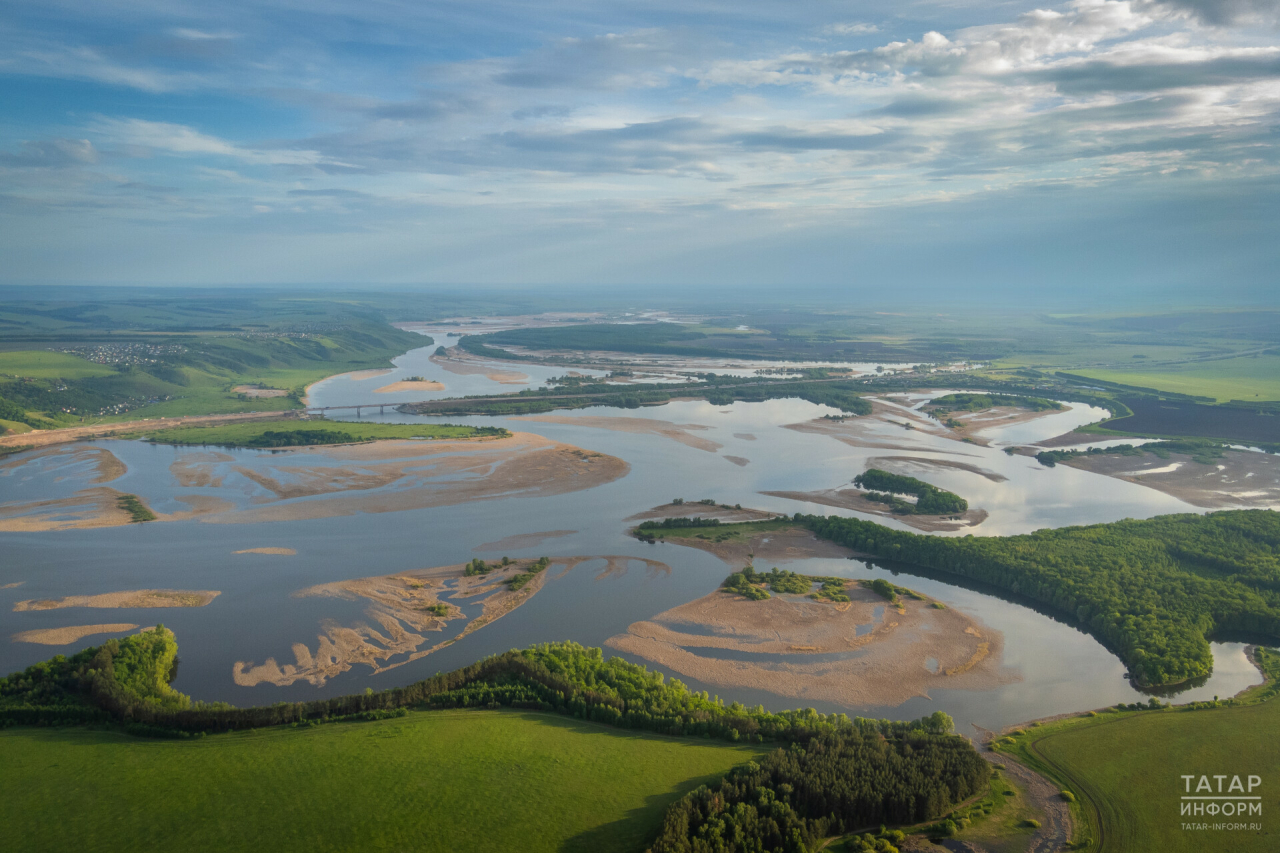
(1092, 147)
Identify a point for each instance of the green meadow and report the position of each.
(1247, 378)
(431, 781)
(327, 432)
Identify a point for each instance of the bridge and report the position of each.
(381, 407)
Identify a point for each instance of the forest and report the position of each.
(930, 500)
(1153, 591)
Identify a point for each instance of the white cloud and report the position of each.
(850, 29)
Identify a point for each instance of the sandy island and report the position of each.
(408, 385)
(70, 634)
(650, 426)
(465, 367)
(85, 510)
(405, 606)
(277, 552)
(865, 653)
(128, 598)
(1239, 480)
(695, 509)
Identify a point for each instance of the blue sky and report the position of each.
(1017, 146)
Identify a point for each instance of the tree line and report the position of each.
(1154, 591)
(930, 500)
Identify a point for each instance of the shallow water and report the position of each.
(257, 616)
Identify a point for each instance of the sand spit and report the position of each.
(522, 540)
(866, 431)
(64, 461)
(405, 606)
(855, 500)
(424, 474)
(86, 509)
(745, 436)
(13, 585)
(465, 367)
(772, 546)
(863, 654)
(406, 385)
(650, 426)
(739, 461)
(693, 509)
(999, 416)
(1071, 439)
(197, 470)
(890, 463)
(615, 565)
(70, 634)
(1239, 480)
(256, 391)
(275, 552)
(129, 598)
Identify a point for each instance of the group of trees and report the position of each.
(930, 500)
(749, 583)
(1152, 590)
(834, 783)
(1202, 450)
(978, 402)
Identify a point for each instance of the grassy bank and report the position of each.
(292, 433)
(1248, 378)
(430, 781)
(1126, 767)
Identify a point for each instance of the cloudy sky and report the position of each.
(917, 143)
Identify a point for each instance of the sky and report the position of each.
(908, 148)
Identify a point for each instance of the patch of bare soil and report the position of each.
(277, 552)
(860, 654)
(128, 598)
(70, 634)
(465, 367)
(256, 391)
(739, 461)
(857, 501)
(693, 509)
(406, 385)
(890, 463)
(522, 540)
(404, 607)
(774, 546)
(1239, 480)
(196, 470)
(86, 509)
(650, 426)
(424, 474)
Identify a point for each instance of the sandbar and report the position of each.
(86, 509)
(861, 654)
(781, 546)
(522, 540)
(470, 368)
(125, 599)
(13, 585)
(359, 375)
(745, 436)
(105, 464)
(277, 552)
(857, 501)
(888, 463)
(424, 474)
(694, 509)
(650, 426)
(198, 470)
(70, 634)
(1240, 479)
(406, 385)
(739, 461)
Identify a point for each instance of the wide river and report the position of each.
(257, 616)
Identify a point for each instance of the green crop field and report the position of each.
(42, 364)
(247, 434)
(1127, 770)
(1248, 378)
(432, 781)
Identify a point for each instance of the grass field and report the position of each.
(1249, 378)
(1127, 769)
(42, 364)
(243, 434)
(432, 781)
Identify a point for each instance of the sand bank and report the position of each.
(745, 436)
(86, 509)
(406, 385)
(463, 367)
(277, 552)
(773, 546)
(857, 501)
(70, 634)
(1239, 480)
(862, 654)
(390, 476)
(740, 461)
(65, 462)
(196, 470)
(13, 585)
(522, 540)
(128, 598)
(903, 464)
(649, 426)
(360, 375)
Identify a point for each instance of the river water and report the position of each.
(257, 616)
